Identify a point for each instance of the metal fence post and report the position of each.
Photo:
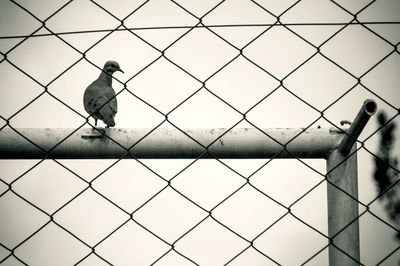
(342, 194)
(343, 209)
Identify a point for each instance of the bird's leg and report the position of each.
(97, 131)
(98, 128)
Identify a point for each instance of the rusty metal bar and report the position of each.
(367, 110)
(167, 143)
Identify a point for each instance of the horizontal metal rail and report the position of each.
(247, 143)
(166, 143)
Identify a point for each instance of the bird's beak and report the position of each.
(120, 70)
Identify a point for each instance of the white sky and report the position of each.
(319, 82)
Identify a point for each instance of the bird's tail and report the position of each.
(107, 115)
(109, 122)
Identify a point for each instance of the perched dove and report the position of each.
(96, 99)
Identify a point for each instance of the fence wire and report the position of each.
(11, 251)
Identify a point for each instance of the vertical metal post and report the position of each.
(343, 209)
(343, 226)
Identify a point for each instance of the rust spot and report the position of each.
(221, 141)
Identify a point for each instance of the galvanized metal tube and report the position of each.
(167, 143)
(343, 225)
(367, 110)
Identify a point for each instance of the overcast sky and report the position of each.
(321, 92)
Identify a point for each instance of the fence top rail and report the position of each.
(166, 143)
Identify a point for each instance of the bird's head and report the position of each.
(111, 66)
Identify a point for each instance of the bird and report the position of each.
(99, 97)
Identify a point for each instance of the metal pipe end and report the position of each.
(370, 107)
(367, 110)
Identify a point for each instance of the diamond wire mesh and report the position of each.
(240, 52)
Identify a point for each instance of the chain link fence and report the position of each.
(201, 232)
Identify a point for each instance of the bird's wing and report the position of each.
(114, 105)
(97, 95)
(110, 94)
(92, 99)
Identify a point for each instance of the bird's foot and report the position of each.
(96, 132)
(100, 130)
